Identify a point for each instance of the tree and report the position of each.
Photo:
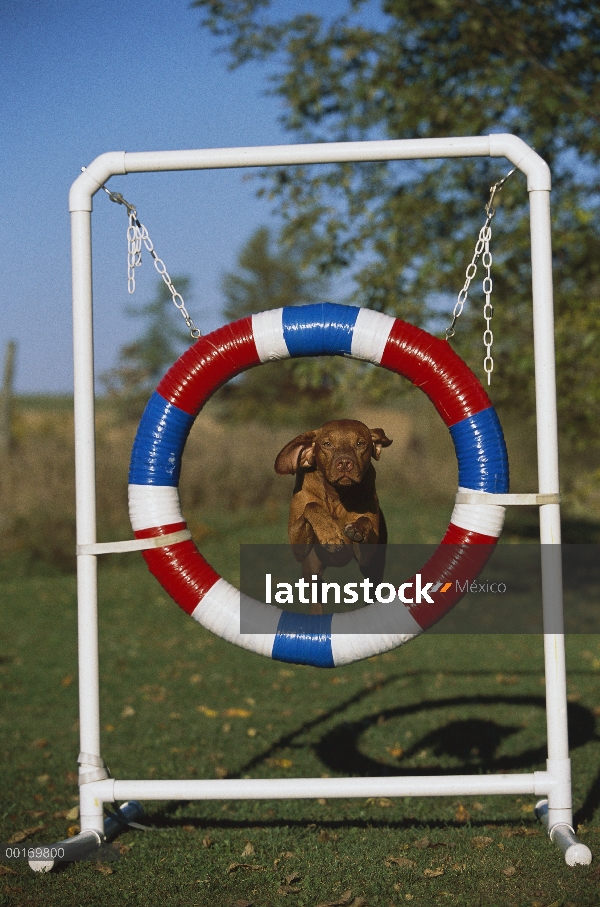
(142, 363)
(417, 68)
(270, 275)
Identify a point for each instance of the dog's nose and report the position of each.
(344, 464)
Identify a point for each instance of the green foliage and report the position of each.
(143, 362)
(416, 68)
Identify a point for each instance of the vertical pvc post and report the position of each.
(559, 799)
(85, 485)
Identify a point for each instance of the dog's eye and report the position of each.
(360, 443)
(325, 443)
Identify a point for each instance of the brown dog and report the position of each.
(334, 512)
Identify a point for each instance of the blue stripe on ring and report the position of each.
(159, 443)
(481, 452)
(304, 639)
(323, 329)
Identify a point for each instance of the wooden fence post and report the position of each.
(6, 398)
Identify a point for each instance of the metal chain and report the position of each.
(136, 236)
(481, 247)
(488, 309)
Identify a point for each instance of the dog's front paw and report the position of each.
(332, 540)
(359, 530)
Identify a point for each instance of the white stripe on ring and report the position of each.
(267, 328)
(370, 335)
(487, 519)
(153, 505)
(349, 647)
(219, 612)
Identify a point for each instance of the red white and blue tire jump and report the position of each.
(324, 329)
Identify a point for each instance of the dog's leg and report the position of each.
(372, 567)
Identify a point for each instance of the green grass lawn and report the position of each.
(180, 703)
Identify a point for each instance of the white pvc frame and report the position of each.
(97, 789)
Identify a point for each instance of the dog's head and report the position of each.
(341, 450)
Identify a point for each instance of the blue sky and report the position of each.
(79, 79)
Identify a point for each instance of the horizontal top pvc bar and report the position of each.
(115, 163)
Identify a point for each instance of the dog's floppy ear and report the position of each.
(296, 454)
(379, 440)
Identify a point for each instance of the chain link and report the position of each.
(137, 235)
(482, 250)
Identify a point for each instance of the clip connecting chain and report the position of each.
(482, 250)
(136, 236)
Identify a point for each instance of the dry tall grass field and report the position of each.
(227, 469)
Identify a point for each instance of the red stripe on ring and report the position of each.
(432, 365)
(208, 364)
(182, 572)
(156, 531)
(459, 559)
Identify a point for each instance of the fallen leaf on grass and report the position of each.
(280, 763)
(433, 873)
(237, 713)
(248, 850)
(7, 871)
(480, 841)
(19, 836)
(207, 841)
(325, 836)
(73, 830)
(252, 866)
(204, 710)
(462, 814)
(400, 861)
(289, 887)
(67, 813)
(122, 848)
(426, 844)
(509, 871)
(103, 868)
(396, 751)
(345, 900)
(519, 832)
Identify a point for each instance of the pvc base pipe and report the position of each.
(87, 842)
(576, 853)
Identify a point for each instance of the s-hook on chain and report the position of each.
(136, 236)
(482, 246)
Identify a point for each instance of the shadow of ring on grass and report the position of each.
(338, 749)
(470, 744)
